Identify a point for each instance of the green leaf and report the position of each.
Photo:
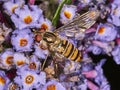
(57, 13)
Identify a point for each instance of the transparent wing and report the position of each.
(81, 22)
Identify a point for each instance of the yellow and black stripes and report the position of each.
(70, 51)
(61, 46)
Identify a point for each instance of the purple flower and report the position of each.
(22, 40)
(10, 6)
(20, 59)
(53, 85)
(106, 47)
(116, 54)
(115, 15)
(40, 52)
(28, 79)
(106, 32)
(100, 79)
(6, 59)
(67, 13)
(44, 23)
(116, 2)
(4, 81)
(27, 16)
(34, 63)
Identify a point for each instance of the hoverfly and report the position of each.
(77, 25)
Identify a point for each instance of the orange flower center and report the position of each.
(51, 87)
(28, 19)
(67, 14)
(2, 80)
(13, 8)
(101, 30)
(23, 42)
(9, 60)
(32, 65)
(29, 79)
(44, 26)
(20, 62)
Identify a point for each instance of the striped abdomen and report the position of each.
(70, 51)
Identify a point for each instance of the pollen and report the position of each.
(101, 30)
(44, 26)
(28, 19)
(13, 8)
(9, 60)
(29, 79)
(20, 62)
(2, 80)
(67, 14)
(23, 42)
(32, 65)
(51, 87)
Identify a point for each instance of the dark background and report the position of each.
(111, 70)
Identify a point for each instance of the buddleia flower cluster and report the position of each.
(27, 64)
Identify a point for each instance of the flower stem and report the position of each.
(57, 14)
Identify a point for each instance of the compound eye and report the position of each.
(49, 37)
